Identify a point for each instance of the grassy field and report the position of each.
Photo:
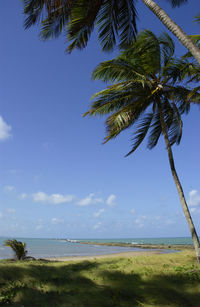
(156, 280)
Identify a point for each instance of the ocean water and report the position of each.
(165, 241)
(40, 248)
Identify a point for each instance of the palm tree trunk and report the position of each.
(178, 186)
(174, 28)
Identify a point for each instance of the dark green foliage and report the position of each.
(144, 76)
(176, 3)
(115, 20)
(18, 247)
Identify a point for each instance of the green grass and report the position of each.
(152, 281)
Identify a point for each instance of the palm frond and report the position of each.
(33, 8)
(185, 70)
(118, 96)
(196, 40)
(127, 18)
(167, 48)
(197, 18)
(124, 118)
(116, 19)
(146, 45)
(183, 97)
(173, 124)
(54, 25)
(41, 10)
(195, 37)
(175, 129)
(194, 93)
(171, 73)
(108, 102)
(178, 3)
(155, 130)
(117, 70)
(82, 21)
(107, 23)
(141, 131)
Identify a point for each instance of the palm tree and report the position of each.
(146, 93)
(18, 247)
(115, 21)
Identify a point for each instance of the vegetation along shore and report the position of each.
(144, 246)
(146, 280)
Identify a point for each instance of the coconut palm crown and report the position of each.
(115, 20)
(146, 94)
(146, 78)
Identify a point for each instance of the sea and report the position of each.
(41, 247)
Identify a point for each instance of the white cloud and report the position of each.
(97, 225)
(195, 210)
(9, 188)
(22, 196)
(169, 222)
(89, 200)
(194, 198)
(111, 200)
(40, 197)
(144, 217)
(98, 213)
(56, 221)
(11, 210)
(140, 221)
(5, 130)
(38, 227)
(132, 211)
(157, 218)
(1, 214)
(52, 199)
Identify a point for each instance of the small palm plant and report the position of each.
(18, 247)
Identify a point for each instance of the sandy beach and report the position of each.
(123, 254)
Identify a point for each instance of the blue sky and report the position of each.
(56, 177)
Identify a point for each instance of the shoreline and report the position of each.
(113, 255)
(122, 254)
(144, 250)
(95, 257)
